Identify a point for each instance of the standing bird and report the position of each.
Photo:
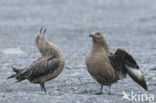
(45, 68)
(107, 68)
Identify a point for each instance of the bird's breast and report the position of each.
(98, 65)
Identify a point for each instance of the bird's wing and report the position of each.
(131, 67)
(118, 67)
(41, 68)
(126, 58)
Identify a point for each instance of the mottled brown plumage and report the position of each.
(107, 68)
(45, 68)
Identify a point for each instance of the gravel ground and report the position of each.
(129, 24)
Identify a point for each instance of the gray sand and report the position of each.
(127, 24)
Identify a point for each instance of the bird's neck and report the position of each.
(48, 50)
(100, 46)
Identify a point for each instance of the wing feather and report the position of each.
(42, 68)
(130, 66)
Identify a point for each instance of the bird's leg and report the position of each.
(99, 93)
(109, 90)
(42, 87)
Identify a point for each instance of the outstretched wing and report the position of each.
(118, 67)
(41, 68)
(131, 67)
(126, 58)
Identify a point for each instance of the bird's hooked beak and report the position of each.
(92, 35)
(42, 32)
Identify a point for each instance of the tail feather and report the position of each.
(12, 76)
(19, 75)
(16, 70)
(138, 77)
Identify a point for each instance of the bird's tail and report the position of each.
(19, 75)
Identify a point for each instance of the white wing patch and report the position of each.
(136, 72)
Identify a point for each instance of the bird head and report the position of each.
(97, 37)
(99, 40)
(40, 36)
(41, 41)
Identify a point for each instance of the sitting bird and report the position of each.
(107, 68)
(45, 68)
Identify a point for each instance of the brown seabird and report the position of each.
(107, 68)
(45, 68)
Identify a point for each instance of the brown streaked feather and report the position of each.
(15, 70)
(19, 76)
(42, 68)
(12, 76)
(39, 68)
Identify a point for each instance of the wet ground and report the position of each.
(127, 24)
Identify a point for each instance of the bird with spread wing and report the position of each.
(107, 68)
